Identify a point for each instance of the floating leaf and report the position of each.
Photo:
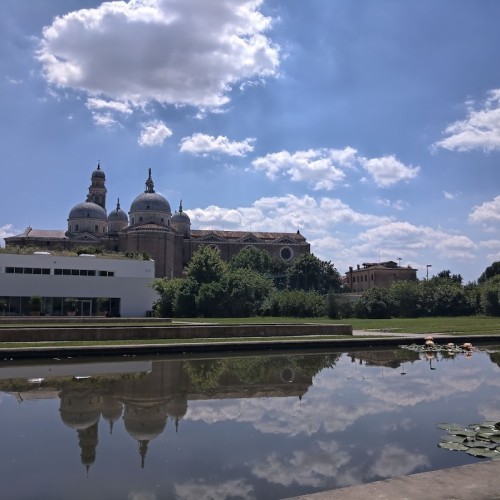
(450, 438)
(451, 427)
(497, 425)
(465, 433)
(482, 452)
(453, 446)
(480, 444)
(495, 438)
(485, 436)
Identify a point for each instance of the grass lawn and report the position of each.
(457, 325)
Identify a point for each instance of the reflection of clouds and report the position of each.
(343, 395)
(236, 488)
(307, 468)
(394, 461)
(141, 495)
(490, 411)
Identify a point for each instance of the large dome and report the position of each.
(87, 209)
(152, 202)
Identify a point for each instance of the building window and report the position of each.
(286, 253)
(76, 227)
(96, 228)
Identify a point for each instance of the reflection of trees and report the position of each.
(495, 357)
(207, 374)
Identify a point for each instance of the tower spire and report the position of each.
(150, 184)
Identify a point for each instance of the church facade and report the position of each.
(151, 228)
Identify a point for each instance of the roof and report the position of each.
(52, 234)
(200, 234)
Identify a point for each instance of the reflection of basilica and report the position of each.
(145, 401)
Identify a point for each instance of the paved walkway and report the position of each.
(479, 481)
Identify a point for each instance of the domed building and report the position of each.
(151, 229)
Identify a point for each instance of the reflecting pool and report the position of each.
(252, 426)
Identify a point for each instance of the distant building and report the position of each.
(87, 285)
(151, 228)
(379, 274)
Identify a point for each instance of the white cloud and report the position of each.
(153, 133)
(202, 144)
(7, 230)
(397, 204)
(488, 212)
(285, 213)
(387, 170)
(322, 168)
(191, 52)
(480, 130)
(105, 120)
(404, 236)
(94, 103)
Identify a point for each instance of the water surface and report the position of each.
(267, 426)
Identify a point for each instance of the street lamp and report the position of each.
(428, 265)
(399, 261)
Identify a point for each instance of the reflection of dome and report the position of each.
(145, 421)
(80, 410)
(111, 411)
(87, 210)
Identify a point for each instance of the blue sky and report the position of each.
(372, 126)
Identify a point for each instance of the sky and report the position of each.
(372, 126)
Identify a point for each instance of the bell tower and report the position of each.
(97, 188)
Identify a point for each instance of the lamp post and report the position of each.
(399, 261)
(428, 265)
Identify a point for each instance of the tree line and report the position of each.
(255, 284)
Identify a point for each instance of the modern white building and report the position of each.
(85, 285)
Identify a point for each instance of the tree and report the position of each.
(310, 273)
(489, 272)
(206, 265)
(374, 303)
(167, 289)
(447, 276)
(245, 292)
(407, 299)
(490, 296)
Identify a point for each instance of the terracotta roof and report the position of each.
(41, 234)
(237, 235)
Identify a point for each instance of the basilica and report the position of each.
(150, 228)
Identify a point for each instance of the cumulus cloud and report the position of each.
(283, 213)
(397, 204)
(388, 170)
(94, 103)
(191, 52)
(202, 144)
(105, 120)
(412, 239)
(487, 213)
(5, 231)
(325, 168)
(154, 133)
(480, 130)
(322, 168)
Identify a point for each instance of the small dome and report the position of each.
(87, 209)
(181, 216)
(98, 172)
(117, 215)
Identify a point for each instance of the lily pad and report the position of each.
(482, 452)
(485, 436)
(450, 427)
(450, 438)
(453, 446)
(465, 433)
(480, 444)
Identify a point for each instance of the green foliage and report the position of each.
(296, 303)
(167, 289)
(210, 300)
(185, 298)
(490, 296)
(339, 306)
(447, 276)
(310, 273)
(206, 265)
(375, 303)
(36, 303)
(489, 272)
